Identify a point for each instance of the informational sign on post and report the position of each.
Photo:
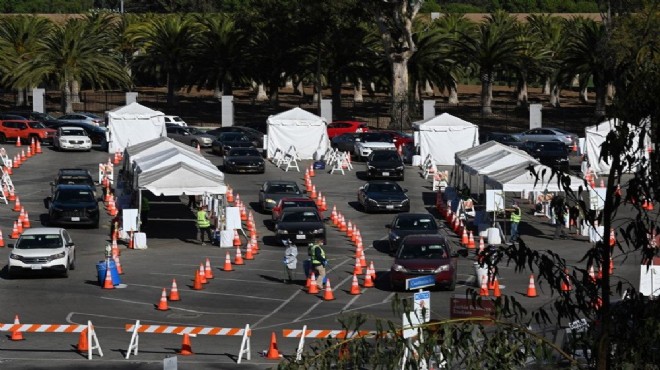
(649, 280)
(422, 305)
(420, 282)
(494, 200)
(411, 324)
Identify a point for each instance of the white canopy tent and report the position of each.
(146, 148)
(181, 178)
(170, 156)
(594, 138)
(444, 135)
(297, 128)
(521, 179)
(133, 124)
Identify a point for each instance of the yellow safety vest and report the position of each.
(202, 219)
(516, 216)
(312, 254)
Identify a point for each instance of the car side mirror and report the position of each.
(52, 183)
(70, 244)
(405, 190)
(388, 226)
(460, 253)
(326, 219)
(99, 199)
(47, 202)
(10, 245)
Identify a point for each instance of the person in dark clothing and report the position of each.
(559, 213)
(192, 202)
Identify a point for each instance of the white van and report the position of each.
(176, 120)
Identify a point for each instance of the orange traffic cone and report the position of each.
(617, 192)
(372, 270)
(355, 287)
(83, 345)
(18, 141)
(357, 268)
(363, 259)
(107, 282)
(324, 205)
(313, 193)
(531, 289)
(197, 283)
(319, 199)
(483, 291)
(186, 347)
(38, 147)
(248, 252)
(313, 287)
(327, 294)
(311, 171)
(237, 239)
(471, 244)
(29, 152)
(2, 240)
(12, 195)
(16, 335)
(26, 220)
(238, 259)
(482, 245)
(131, 243)
(208, 272)
(342, 225)
(120, 271)
(333, 215)
(496, 288)
(115, 248)
(255, 245)
(202, 274)
(230, 194)
(14, 232)
(17, 205)
(162, 305)
(174, 292)
(368, 281)
(612, 238)
(464, 239)
(227, 266)
(273, 353)
(565, 282)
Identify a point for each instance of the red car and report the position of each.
(428, 254)
(292, 202)
(399, 138)
(337, 128)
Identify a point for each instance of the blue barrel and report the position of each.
(101, 268)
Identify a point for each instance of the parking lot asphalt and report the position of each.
(251, 294)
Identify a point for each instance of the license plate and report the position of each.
(75, 218)
(35, 267)
(300, 236)
(389, 206)
(386, 173)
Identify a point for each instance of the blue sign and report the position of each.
(420, 282)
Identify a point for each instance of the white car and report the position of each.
(366, 142)
(72, 138)
(176, 120)
(43, 248)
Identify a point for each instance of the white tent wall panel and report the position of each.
(303, 130)
(133, 124)
(594, 138)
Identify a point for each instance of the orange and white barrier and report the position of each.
(321, 334)
(56, 328)
(191, 331)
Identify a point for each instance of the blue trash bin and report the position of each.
(101, 268)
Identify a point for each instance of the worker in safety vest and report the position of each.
(318, 261)
(204, 224)
(516, 216)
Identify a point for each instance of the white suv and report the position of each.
(176, 120)
(43, 248)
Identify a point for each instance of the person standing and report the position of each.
(192, 202)
(144, 211)
(290, 261)
(318, 261)
(516, 216)
(204, 224)
(559, 213)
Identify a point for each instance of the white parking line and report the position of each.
(183, 309)
(350, 277)
(215, 293)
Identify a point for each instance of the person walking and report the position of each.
(204, 224)
(290, 261)
(516, 216)
(559, 213)
(318, 262)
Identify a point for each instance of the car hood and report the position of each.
(422, 263)
(397, 197)
(205, 136)
(37, 252)
(74, 205)
(243, 159)
(385, 164)
(277, 196)
(74, 137)
(375, 144)
(300, 225)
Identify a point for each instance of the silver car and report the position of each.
(81, 117)
(43, 248)
(189, 135)
(548, 134)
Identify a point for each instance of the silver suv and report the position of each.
(43, 248)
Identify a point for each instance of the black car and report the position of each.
(383, 195)
(229, 140)
(550, 153)
(344, 142)
(73, 205)
(273, 190)
(44, 118)
(244, 160)
(504, 138)
(73, 176)
(405, 224)
(385, 163)
(97, 134)
(300, 225)
(257, 137)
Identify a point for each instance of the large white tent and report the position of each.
(133, 124)
(297, 128)
(444, 135)
(146, 148)
(169, 156)
(520, 178)
(181, 178)
(594, 138)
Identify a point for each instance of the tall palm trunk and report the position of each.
(546, 86)
(75, 91)
(486, 94)
(400, 83)
(601, 100)
(522, 92)
(261, 93)
(170, 89)
(554, 95)
(66, 103)
(453, 93)
(357, 92)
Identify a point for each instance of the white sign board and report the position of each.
(170, 363)
(494, 200)
(649, 280)
(422, 305)
(597, 199)
(535, 120)
(129, 219)
(233, 221)
(411, 327)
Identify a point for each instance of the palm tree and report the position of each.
(492, 47)
(72, 52)
(167, 43)
(20, 38)
(533, 56)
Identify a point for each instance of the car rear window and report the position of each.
(385, 188)
(283, 188)
(71, 132)
(385, 155)
(69, 195)
(301, 217)
(298, 203)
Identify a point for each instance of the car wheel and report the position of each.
(194, 143)
(3, 138)
(66, 272)
(402, 178)
(72, 265)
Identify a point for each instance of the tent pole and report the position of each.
(139, 206)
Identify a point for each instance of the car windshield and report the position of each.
(36, 125)
(75, 180)
(233, 136)
(415, 224)
(563, 132)
(375, 137)
(45, 241)
(177, 119)
(301, 217)
(385, 155)
(72, 132)
(244, 153)
(283, 189)
(70, 195)
(422, 251)
(384, 188)
(195, 131)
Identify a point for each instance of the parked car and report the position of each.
(73, 205)
(504, 138)
(82, 117)
(367, 142)
(382, 195)
(26, 130)
(548, 134)
(226, 141)
(550, 153)
(344, 142)
(421, 255)
(189, 135)
(95, 133)
(405, 224)
(399, 138)
(175, 120)
(41, 249)
(257, 137)
(337, 128)
(72, 176)
(44, 118)
(385, 163)
(300, 225)
(289, 202)
(72, 138)
(244, 160)
(273, 190)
